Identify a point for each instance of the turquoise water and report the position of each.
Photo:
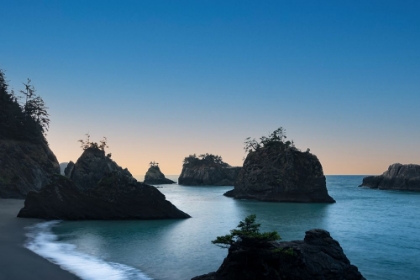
(378, 230)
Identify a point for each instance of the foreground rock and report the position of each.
(25, 166)
(97, 188)
(155, 177)
(208, 170)
(402, 177)
(318, 256)
(114, 197)
(281, 173)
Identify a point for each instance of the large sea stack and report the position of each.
(318, 256)
(207, 170)
(155, 177)
(274, 170)
(402, 177)
(97, 188)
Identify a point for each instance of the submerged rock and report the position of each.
(318, 256)
(155, 177)
(281, 173)
(97, 188)
(210, 170)
(403, 177)
(115, 197)
(25, 166)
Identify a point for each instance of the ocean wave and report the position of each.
(43, 242)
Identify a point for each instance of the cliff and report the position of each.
(155, 177)
(277, 172)
(98, 189)
(403, 177)
(25, 166)
(318, 256)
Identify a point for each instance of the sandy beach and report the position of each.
(17, 262)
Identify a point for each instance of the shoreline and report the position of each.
(16, 261)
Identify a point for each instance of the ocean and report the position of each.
(378, 230)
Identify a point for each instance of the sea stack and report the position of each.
(97, 188)
(207, 170)
(401, 177)
(318, 256)
(275, 170)
(155, 177)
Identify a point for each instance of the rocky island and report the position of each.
(97, 188)
(275, 170)
(207, 170)
(254, 255)
(402, 177)
(155, 177)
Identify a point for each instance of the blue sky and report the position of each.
(165, 79)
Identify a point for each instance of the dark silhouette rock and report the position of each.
(115, 197)
(69, 169)
(97, 188)
(318, 256)
(210, 170)
(92, 166)
(25, 166)
(402, 177)
(280, 173)
(155, 177)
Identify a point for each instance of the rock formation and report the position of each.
(92, 166)
(69, 169)
(403, 177)
(278, 172)
(318, 256)
(25, 166)
(97, 188)
(155, 177)
(210, 170)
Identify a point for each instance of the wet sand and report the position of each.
(17, 262)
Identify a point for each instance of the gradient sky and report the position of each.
(165, 79)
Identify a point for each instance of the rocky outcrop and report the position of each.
(97, 188)
(208, 175)
(25, 166)
(63, 166)
(318, 256)
(115, 197)
(155, 177)
(69, 169)
(280, 173)
(92, 166)
(402, 177)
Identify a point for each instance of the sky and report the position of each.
(166, 79)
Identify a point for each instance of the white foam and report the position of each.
(43, 242)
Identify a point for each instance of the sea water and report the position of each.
(378, 230)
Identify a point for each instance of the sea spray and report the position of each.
(43, 242)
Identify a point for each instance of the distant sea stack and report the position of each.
(207, 170)
(97, 188)
(155, 177)
(318, 256)
(402, 177)
(274, 170)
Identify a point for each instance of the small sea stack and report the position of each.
(155, 177)
(207, 170)
(401, 177)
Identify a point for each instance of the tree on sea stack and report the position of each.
(87, 144)
(248, 232)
